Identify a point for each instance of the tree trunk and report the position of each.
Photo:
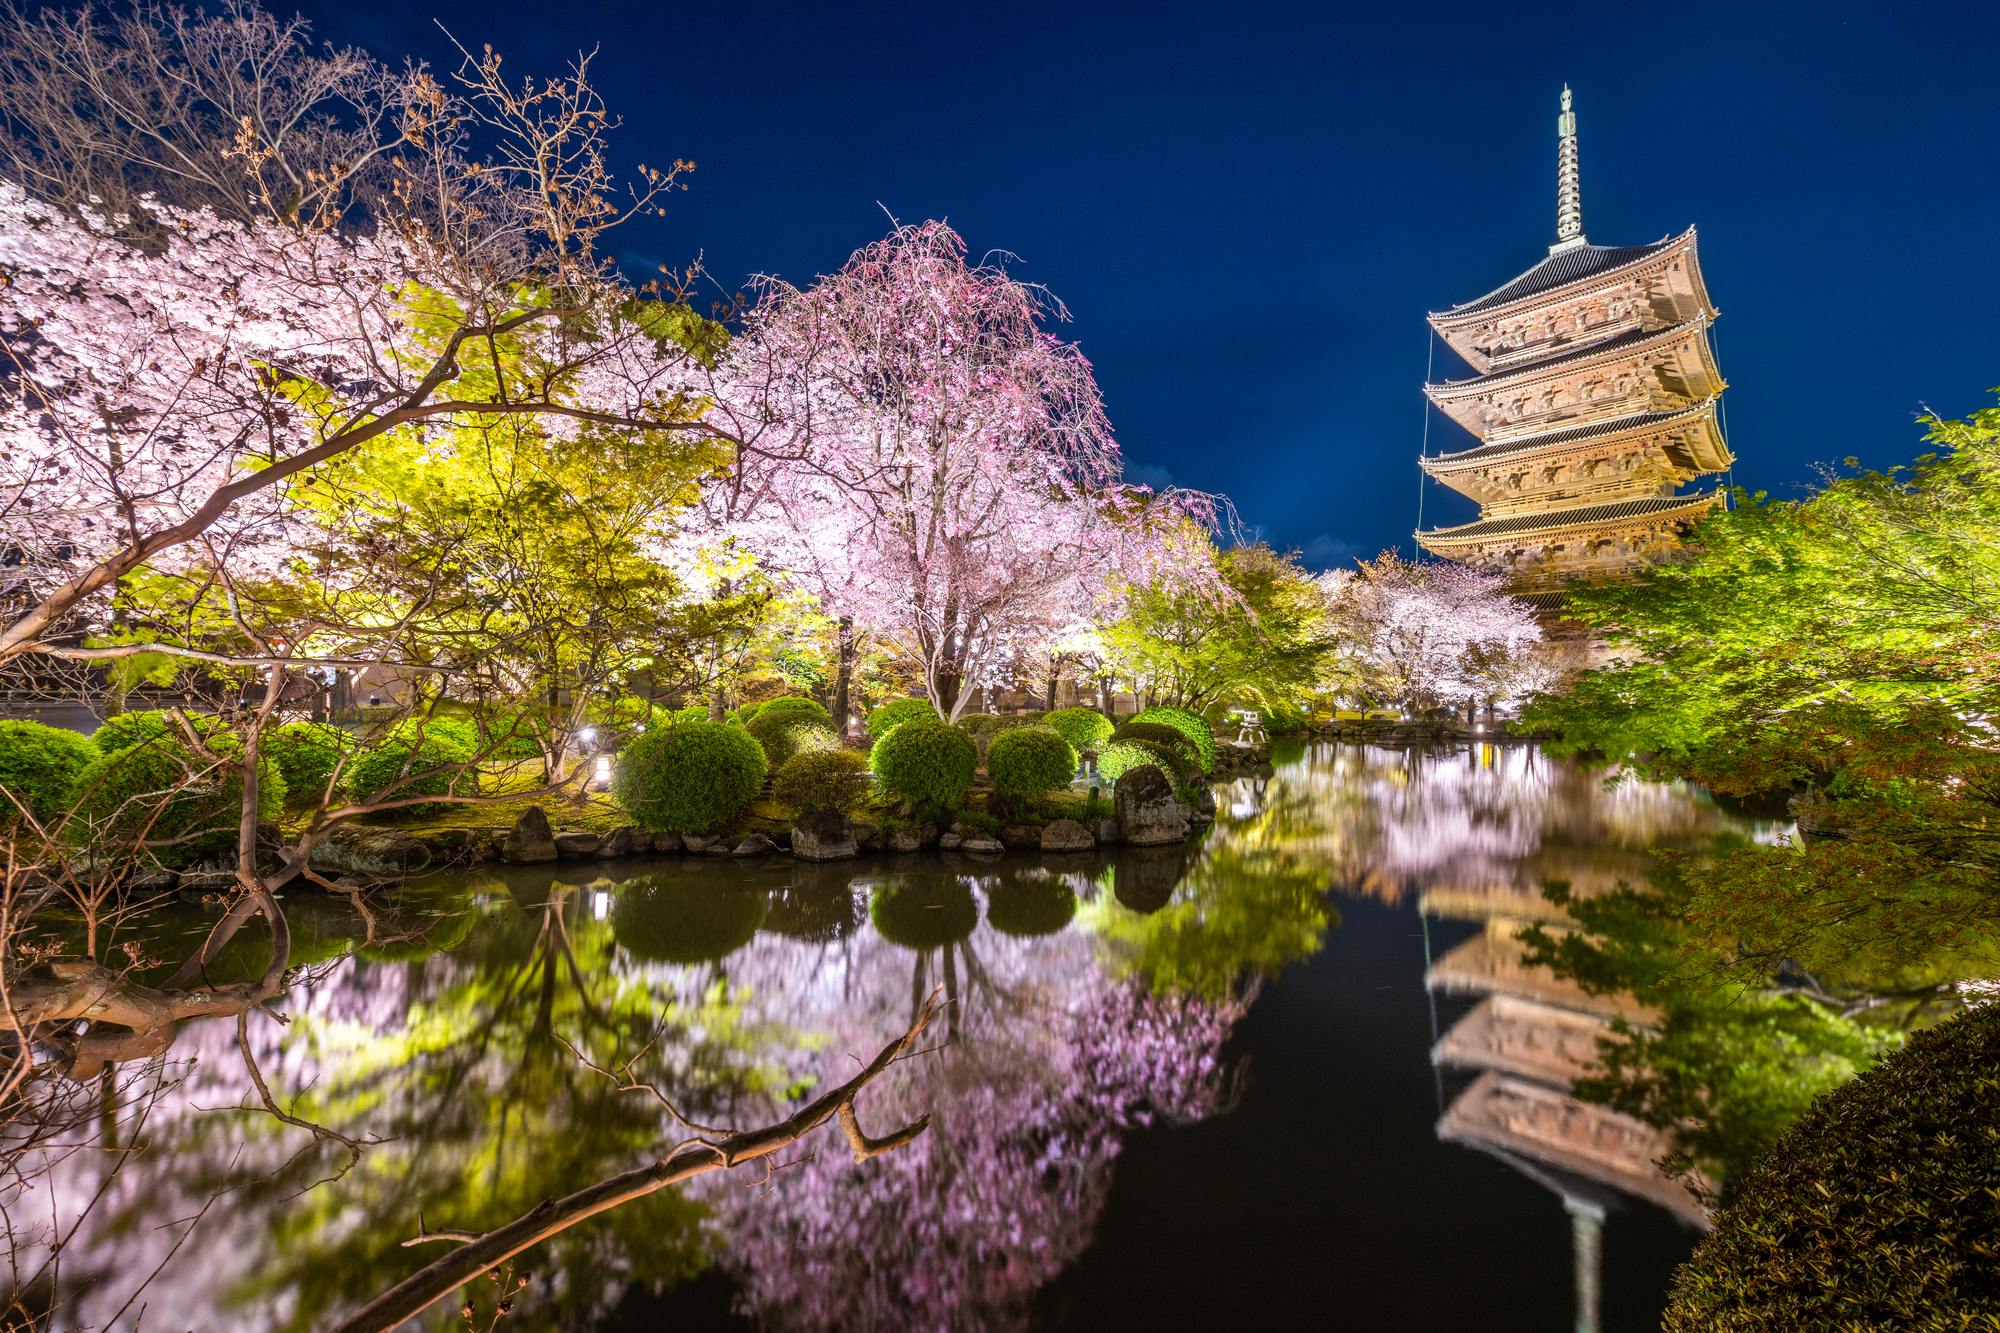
(1107, 688)
(1055, 679)
(716, 704)
(845, 676)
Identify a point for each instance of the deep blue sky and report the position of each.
(1249, 207)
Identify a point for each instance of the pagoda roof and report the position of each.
(1626, 341)
(1559, 270)
(1582, 516)
(1643, 421)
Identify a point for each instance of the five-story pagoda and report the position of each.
(1595, 402)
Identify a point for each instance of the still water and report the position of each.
(1181, 1088)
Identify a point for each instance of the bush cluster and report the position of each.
(39, 765)
(1169, 739)
(925, 761)
(1875, 1209)
(1191, 725)
(307, 753)
(1029, 761)
(1083, 728)
(426, 754)
(689, 778)
(787, 732)
(1281, 721)
(159, 789)
(821, 781)
(891, 715)
(1116, 757)
(793, 703)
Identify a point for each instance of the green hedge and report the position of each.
(1119, 756)
(1875, 1210)
(1281, 721)
(793, 703)
(39, 765)
(126, 792)
(427, 756)
(1083, 728)
(1030, 761)
(307, 754)
(685, 916)
(925, 760)
(129, 729)
(785, 733)
(891, 715)
(1190, 724)
(689, 778)
(821, 780)
(924, 914)
(1170, 739)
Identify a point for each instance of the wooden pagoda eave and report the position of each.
(1711, 453)
(1565, 523)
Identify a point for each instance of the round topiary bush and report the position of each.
(1875, 1210)
(400, 764)
(925, 760)
(1118, 756)
(1029, 761)
(1191, 725)
(821, 781)
(891, 715)
(1169, 739)
(787, 732)
(923, 914)
(1083, 728)
(793, 703)
(685, 917)
(690, 777)
(161, 790)
(1026, 907)
(39, 765)
(307, 754)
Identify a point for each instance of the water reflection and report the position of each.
(1090, 995)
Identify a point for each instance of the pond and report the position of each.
(1186, 1087)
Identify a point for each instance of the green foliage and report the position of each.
(1281, 721)
(1030, 905)
(1726, 1068)
(926, 913)
(789, 732)
(925, 760)
(796, 704)
(1170, 740)
(892, 714)
(39, 765)
(821, 780)
(685, 916)
(744, 712)
(307, 754)
(128, 729)
(1118, 757)
(1083, 728)
(1875, 1211)
(412, 759)
(689, 778)
(1190, 724)
(1029, 761)
(160, 791)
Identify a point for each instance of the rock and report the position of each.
(667, 842)
(1021, 837)
(577, 844)
(621, 841)
(755, 845)
(981, 843)
(1147, 810)
(378, 852)
(928, 834)
(868, 836)
(1107, 831)
(1066, 835)
(905, 839)
(1204, 801)
(949, 840)
(531, 840)
(699, 842)
(822, 838)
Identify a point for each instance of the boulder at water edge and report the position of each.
(530, 840)
(1147, 810)
(1066, 835)
(823, 838)
(577, 844)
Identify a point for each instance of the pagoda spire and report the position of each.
(1569, 188)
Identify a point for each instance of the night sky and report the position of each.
(1249, 207)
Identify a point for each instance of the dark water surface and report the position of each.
(1181, 1088)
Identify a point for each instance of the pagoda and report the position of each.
(1594, 404)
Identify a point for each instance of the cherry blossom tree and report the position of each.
(949, 478)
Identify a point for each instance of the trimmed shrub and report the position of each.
(1191, 725)
(685, 917)
(1874, 1210)
(1118, 756)
(925, 760)
(1083, 728)
(744, 712)
(1280, 721)
(689, 778)
(821, 780)
(786, 733)
(427, 762)
(1029, 761)
(122, 792)
(793, 703)
(926, 914)
(894, 714)
(307, 753)
(129, 729)
(1170, 739)
(39, 765)
(1027, 907)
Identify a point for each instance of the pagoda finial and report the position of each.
(1569, 189)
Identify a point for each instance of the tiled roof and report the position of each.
(1558, 269)
(1639, 421)
(1629, 338)
(1570, 518)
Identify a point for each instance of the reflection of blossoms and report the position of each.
(961, 1228)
